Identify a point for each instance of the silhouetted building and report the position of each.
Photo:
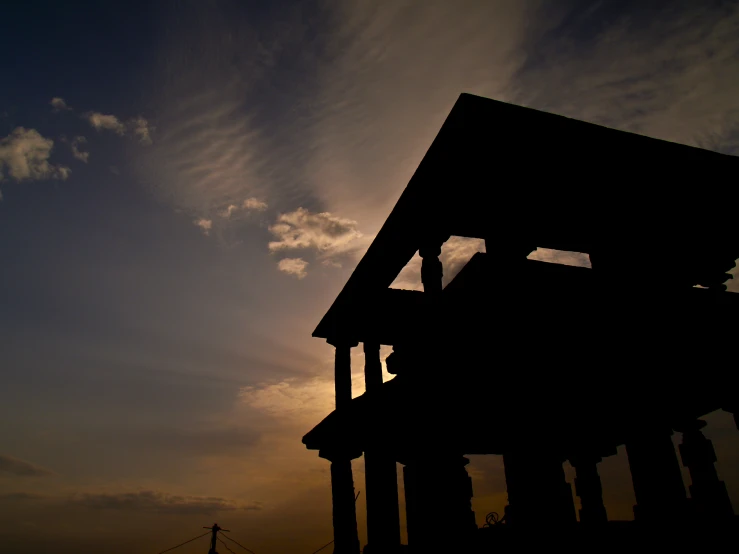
(537, 362)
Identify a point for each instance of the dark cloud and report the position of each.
(21, 496)
(192, 442)
(160, 503)
(20, 468)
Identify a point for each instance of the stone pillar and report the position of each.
(372, 366)
(655, 473)
(346, 539)
(413, 512)
(588, 487)
(438, 503)
(343, 373)
(381, 477)
(708, 493)
(538, 493)
(432, 270)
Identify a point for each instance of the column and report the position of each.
(432, 271)
(344, 516)
(538, 493)
(381, 477)
(372, 366)
(655, 473)
(590, 490)
(343, 373)
(346, 539)
(708, 493)
(439, 503)
(413, 512)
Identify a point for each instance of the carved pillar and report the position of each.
(655, 473)
(588, 487)
(538, 493)
(431, 268)
(709, 496)
(438, 489)
(346, 539)
(381, 477)
(372, 366)
(343, 373)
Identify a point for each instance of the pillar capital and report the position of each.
(340, 342)
(689, 426)
(340, 454)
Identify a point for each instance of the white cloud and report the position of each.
(326, 233)
(254, 204)
(141, 129)
(59, 104)
(248, 205)
(76, 152)
(205, 225)
(293, 266)
(138, 126)
(230, 209)
(24, 154)
(105, 121)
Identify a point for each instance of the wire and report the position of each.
(241, 545)
(226, 545)
(184, 543)
(324, 546)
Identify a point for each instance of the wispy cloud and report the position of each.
(344, 134)
(293, 266)
(249, 205)
(670, 73)
(25, 154)
(21, 468)
(292, 399)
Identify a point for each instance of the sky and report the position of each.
(185, 186)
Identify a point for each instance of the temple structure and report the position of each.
(538, 362)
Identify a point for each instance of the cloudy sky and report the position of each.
(185, 187)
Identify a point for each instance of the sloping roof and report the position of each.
(645, 208)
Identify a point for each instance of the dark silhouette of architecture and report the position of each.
(568, 362)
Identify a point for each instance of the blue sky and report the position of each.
(162, 275)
